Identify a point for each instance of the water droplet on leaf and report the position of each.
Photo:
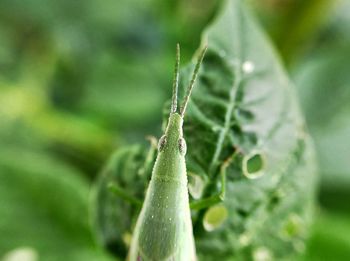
(248, 67)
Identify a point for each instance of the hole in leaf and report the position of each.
(196, 185)
(253, 165)
(214, 217)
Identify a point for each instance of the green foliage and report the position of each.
(229, 119)
(245, 103)
(293, 25)
(42, 202)
(322, 78)
(79, 79)
(330, 238)
(327, 73)
(113, 217)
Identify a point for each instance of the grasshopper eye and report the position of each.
(161, 143)
(182, 146)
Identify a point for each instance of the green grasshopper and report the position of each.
(164, 228)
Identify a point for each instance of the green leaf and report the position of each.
(323, 82)
(43, 207)
(244, 103)
(113, 217)
(330, 238)
(243, 111)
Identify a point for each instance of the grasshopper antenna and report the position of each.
(190, 87)
(175, 81)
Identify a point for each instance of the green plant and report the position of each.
(244, 119)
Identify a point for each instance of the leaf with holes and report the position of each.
(243, 120)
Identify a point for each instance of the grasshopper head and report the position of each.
(173, 137)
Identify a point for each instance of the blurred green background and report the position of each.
(78, 79)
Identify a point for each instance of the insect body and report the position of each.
(164, 229)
